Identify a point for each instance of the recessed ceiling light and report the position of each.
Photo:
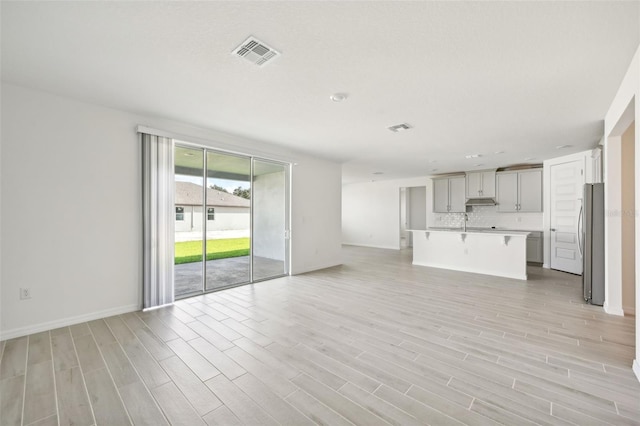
(470, 156)
(399, 127)
(378, 173)
(563, 146)
(479, 165)
(338, 97)
(529, 158)
(434, 170)
(499, 152)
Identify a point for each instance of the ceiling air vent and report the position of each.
(255, 51)
(400, 127)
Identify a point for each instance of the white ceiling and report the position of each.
(470, 77)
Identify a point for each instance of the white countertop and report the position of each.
(475, 231)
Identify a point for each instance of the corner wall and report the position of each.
(71, 208)
(628, 221)
(371, 212)
(622, 112)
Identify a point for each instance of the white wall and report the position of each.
(71, 165)
(316, 237)
(628, 221)
(622, 112)
(371, 212)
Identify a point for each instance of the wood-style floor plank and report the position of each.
(175, 406)
(14, 358)
(73, 404)
(350, 410)
(40, 395)
(222, 416)
(105, 400)
(375, 341)
(141, 406)
(275, 406)
(238, 402)
(199, 395)
(11, 402)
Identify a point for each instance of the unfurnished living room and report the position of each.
(319, 212)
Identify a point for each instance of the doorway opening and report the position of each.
(231, 220)
(413, 213)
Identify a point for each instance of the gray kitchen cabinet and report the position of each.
(534, 247)
(481, 184)
(519, 191)
(449, 195)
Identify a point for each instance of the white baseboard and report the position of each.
(636, 368)
(629, 310)
(315, 268)
(372, 246)
(613, 311)
(63, 322)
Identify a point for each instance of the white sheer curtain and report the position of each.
(158, 217)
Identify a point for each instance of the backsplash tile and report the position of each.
(486, 217)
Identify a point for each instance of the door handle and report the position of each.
(553, 229)
(580, 225)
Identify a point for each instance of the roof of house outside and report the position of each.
(190, 194)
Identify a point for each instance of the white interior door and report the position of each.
(567, 182)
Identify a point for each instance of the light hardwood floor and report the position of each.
(374, 341)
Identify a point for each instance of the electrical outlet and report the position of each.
(25, 293)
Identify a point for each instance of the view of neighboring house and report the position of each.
(225, 211)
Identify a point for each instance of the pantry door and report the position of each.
(567, 182)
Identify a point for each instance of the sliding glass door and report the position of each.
(270, 218)
(189, 241)
(231, 220)
(228, 221)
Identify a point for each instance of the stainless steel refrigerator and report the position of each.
(591, 242)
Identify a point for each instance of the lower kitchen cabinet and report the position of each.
(534, 247)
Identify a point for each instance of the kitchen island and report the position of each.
(483, 251)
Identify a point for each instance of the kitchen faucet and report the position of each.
(466, 218)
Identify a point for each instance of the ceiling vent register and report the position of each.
(255, 51)
(399, 127)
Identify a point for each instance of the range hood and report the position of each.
(480, 202)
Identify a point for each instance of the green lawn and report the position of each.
(191, 251)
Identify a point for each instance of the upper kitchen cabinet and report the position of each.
(449, 195)
(519, 191)
(481, 184)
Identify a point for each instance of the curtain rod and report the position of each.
(213, 144)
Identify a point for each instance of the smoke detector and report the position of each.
(399, 127)
(255, 51)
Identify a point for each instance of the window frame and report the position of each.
(181, 213)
